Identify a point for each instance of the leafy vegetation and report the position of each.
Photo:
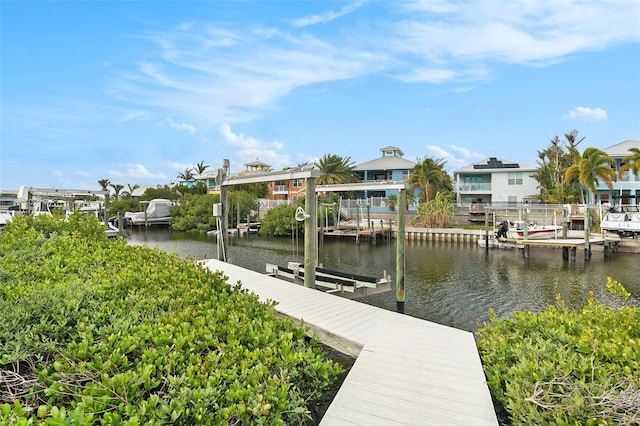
(280, 221)
(335, 169)
(594, 165)
(96, 331)
(565, 367)
(194, 213)
(429, 177)
(435, 213)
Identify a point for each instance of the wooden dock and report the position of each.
(569, 246)
(407, 371)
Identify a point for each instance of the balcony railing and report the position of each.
(479, 187)
(281, 189)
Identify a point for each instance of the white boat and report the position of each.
(624, 222)
(534, 231)
(158, 212)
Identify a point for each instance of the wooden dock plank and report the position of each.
(408, 371)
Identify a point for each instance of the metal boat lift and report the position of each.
(310, 214)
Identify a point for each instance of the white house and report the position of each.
(495, 181)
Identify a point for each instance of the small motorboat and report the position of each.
(534, 231)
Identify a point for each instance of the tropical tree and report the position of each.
(187, 175)
(335, 169)
(553, 162)
(631, 162)
(200, 168)
(104, 184)
(430, 178)
(116, 188)
(435, 213)
(594, 165)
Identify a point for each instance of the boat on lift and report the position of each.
(516, 230)
(624, 221)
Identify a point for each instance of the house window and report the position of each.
(515, 178)
(297, 183)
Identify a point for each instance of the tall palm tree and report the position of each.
(104, 184)
(187, 175)
(430, 177)
(200, 168)
(631, 162)
(116, 188)
(594, 164)
(335, 169)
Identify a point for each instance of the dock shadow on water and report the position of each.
(453, 284)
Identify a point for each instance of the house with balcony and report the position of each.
(495, 181)
(390, 166)
(626, 189)
(290, 189)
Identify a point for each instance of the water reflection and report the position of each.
(448, 283)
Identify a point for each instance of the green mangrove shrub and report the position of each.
(94, 331)
(565, 367)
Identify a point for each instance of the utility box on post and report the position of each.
(217, 210)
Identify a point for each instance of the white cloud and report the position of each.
(455, 156)
(327, 16)
(181, 126)
(252, 149)
(587, 114)
(135, 171)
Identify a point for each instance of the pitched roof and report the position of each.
(493, 164)
(622, 149)
(386, 163)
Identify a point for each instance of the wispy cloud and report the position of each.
(327, 16)
(133, 172)
(455, 156)
(251, 149)
(587, 114)
(181, 126)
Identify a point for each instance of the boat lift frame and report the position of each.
(311, 214)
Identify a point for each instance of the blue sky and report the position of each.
(135, 92)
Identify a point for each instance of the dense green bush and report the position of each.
(279, 221)
(194, 213)
(96, 331)
(565, 367)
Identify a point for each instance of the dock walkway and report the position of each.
(407, 371)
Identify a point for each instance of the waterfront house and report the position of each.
(390, 166)
(495, 181)
(627, 188)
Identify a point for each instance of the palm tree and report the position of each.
(187, 175)
(104, 184)
(553, 162)
(594, 164)
(335, 169)
(200, 168)
(116, 189)
(631, 162)
(429, 176)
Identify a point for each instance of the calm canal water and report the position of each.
(448, 283)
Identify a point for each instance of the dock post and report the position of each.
(402, 196)
(486, 230)
(573, 253)
(120, 225)
(606, 249)
(587, 230)
(310, 233)
(525, 251)
(565, 253)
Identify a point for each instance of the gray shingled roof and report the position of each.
(386, 163)
(622, 149)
